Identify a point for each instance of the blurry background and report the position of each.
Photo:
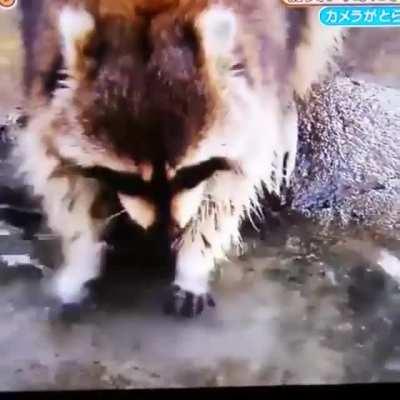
(374, 54)
(10, 60)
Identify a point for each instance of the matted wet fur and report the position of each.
(178, 109)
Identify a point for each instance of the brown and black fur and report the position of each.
(133, 104)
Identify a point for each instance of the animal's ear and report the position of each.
(217, 27)
(76, 27)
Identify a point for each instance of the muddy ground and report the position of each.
(302, 306)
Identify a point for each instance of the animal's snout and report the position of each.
(139, 210)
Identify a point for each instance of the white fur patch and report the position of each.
(288, 140)
(214, 232)
(83, 263)
(390, 264)
(186, 204)
(218, 28)
(74, 25)
(139, 210)
(193, 269)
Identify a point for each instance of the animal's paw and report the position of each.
(4, 134)
(186, 304)
(70, 312)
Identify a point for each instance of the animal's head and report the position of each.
(155, 94)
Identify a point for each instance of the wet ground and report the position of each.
(302, 306)
(298, 308)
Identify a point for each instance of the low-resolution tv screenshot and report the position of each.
(199, 194)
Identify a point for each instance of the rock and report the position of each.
(348, 162)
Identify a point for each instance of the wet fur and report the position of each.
(184, 109)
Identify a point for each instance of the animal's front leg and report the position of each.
(69, 206)
(82, 264)
(75, 207)
(190, 291)
(212, 233)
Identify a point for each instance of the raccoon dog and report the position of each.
(182, 109)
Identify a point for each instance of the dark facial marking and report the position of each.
(190, 177)
(160, 191)
(133, 185)
(121, 182)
